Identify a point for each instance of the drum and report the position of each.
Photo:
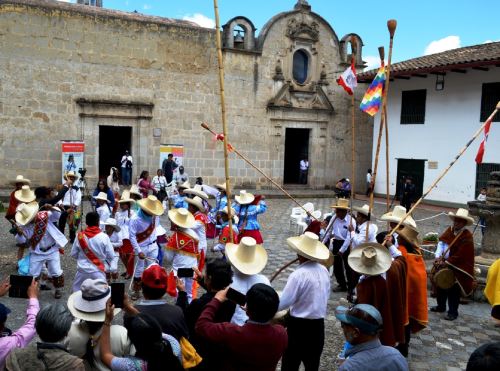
(444, 278)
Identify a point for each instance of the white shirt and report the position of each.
(440, 249)
(340, 231)
(123, 220)
(159, 181)
(359, 238)
(72, 197)
(184, 260)
(304, 165)
(243, 283)
(200, 230)
(481, 197)
(307, 291)
(104, 214)
(368, 178)
(124, 160)
(101, 247)
(138, 225)
(52, 239)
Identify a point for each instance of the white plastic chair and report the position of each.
(316, 214)
(309, 207)
(296, 216)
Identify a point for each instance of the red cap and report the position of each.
(155, 277)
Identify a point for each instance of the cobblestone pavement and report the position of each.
(442, 346)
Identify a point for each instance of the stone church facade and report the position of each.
(67, 70)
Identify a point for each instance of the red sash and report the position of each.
(41, 222)
(144, 235)
(183, 243)
(224, 236)
(82, 240)
(202, 218)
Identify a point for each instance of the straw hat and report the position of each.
(89, 303)
(247, 257)
(461, 213)
(197, 202)
(125, 198)
(70, 174)
(134, 190)
(184, 185)
(181, 217)
(309, 246)
(197, 190)
(21, 179)
(25, 213)
(397, 214)
(365, 209)
(342, 203)
(370, 259)
(410, 234)
(112, 223)
(233, 214)
(244, 198)
(151, 205)
(102, 196)
(25, 194)
(222, 187)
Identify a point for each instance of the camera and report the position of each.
(82, 172)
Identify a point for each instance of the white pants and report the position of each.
(37, 264)
(113, 265)
(182, 261)
(151, 252)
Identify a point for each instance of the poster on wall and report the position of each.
(176, 149)
(73, 152)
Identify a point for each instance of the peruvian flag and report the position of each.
(348, 79)
(480, 152)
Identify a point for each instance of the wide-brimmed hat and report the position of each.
(21, 179)
(25, 194)
(101, 196)
(89, 303)
(151, 205)
(370, 259)
(410, 234)
(309, 246)
(196, 202)
(197, 190)
(134, 190)
(461, 213)
(342, 203)
(365, 209)
(70, 174)
(247, 257)
(396, 215)
(181, 217)
(244, 198)
(112, 223)
(184, 185)
(233, 214)
(26, 212)
(125, 198)
(155, 277)
(222, 187)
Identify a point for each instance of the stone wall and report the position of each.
(67, 69)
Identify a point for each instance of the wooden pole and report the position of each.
(445, 171)
(223, 112)
(354, 48)
(387, 198)
(205, 126)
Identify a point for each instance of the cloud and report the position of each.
(441, 45)
(200, 19)
(490, 41)
(146, 6)
(371, 62)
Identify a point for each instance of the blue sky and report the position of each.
(424, 26)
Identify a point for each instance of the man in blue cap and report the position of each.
(361, 325)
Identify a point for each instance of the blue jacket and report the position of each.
(249, 212)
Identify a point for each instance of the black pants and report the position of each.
(452, 295)
(62, 224)
(303, 177)
(340, 264)
(306, 338)
(406, 202)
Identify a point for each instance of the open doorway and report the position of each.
(296, 149)
(113, 142)
(414, 169)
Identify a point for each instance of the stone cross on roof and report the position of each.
(302, 4)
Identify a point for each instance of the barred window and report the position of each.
(489, 98)
(413, 107)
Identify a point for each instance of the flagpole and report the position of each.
(445, 171)
(354, 48)
(223, 113)
(391, 25)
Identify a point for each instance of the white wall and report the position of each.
(452, 116)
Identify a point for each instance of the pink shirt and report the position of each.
(21, 337)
